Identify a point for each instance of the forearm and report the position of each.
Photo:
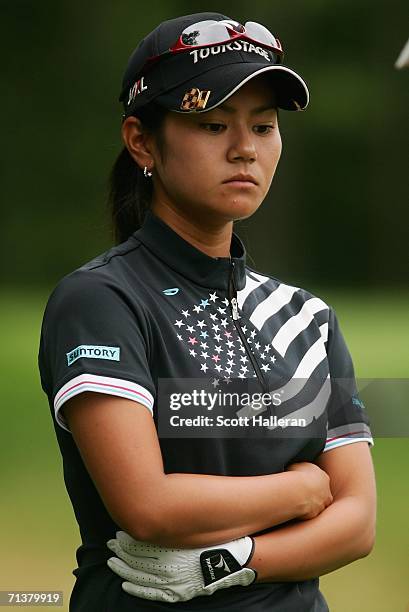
(196, 510)
(342, 533)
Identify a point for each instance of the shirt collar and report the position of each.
(177, 253)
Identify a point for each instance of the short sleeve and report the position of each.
(348, 421)
(93, 338)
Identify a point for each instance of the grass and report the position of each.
(41, 534)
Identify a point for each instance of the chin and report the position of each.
(241, 209)
(225, 209)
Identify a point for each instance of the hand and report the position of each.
(173, 574)
(317, 484)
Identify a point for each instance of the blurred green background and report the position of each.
(335, 222)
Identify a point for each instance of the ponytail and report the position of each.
(130, 193)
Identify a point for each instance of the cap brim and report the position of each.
(290, 89)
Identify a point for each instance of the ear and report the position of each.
(137, 142)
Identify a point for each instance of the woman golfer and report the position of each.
(215, 449)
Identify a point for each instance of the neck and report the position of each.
(212, 239)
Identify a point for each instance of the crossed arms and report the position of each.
(121, 451)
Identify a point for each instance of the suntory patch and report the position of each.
(94, 352)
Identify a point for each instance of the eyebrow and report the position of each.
(254, 111)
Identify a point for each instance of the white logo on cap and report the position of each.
(242, 45)
(137, 88)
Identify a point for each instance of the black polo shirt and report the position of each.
(155, 308)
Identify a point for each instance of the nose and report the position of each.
(242, 147)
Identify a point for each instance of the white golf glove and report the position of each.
(176, 574)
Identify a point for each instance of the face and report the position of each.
(218, 166)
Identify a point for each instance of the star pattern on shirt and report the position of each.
(212, 339)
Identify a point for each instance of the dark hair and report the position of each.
(130, 193)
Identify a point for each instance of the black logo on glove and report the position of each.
(217, 564)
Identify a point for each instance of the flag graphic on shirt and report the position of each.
(290, 348)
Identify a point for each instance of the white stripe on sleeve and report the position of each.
(100, 384)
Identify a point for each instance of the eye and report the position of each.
(264, 129)
(213, 128)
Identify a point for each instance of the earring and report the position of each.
(146, 172)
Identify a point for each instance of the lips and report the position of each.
(241, 178)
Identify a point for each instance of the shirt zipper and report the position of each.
(236, 317)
